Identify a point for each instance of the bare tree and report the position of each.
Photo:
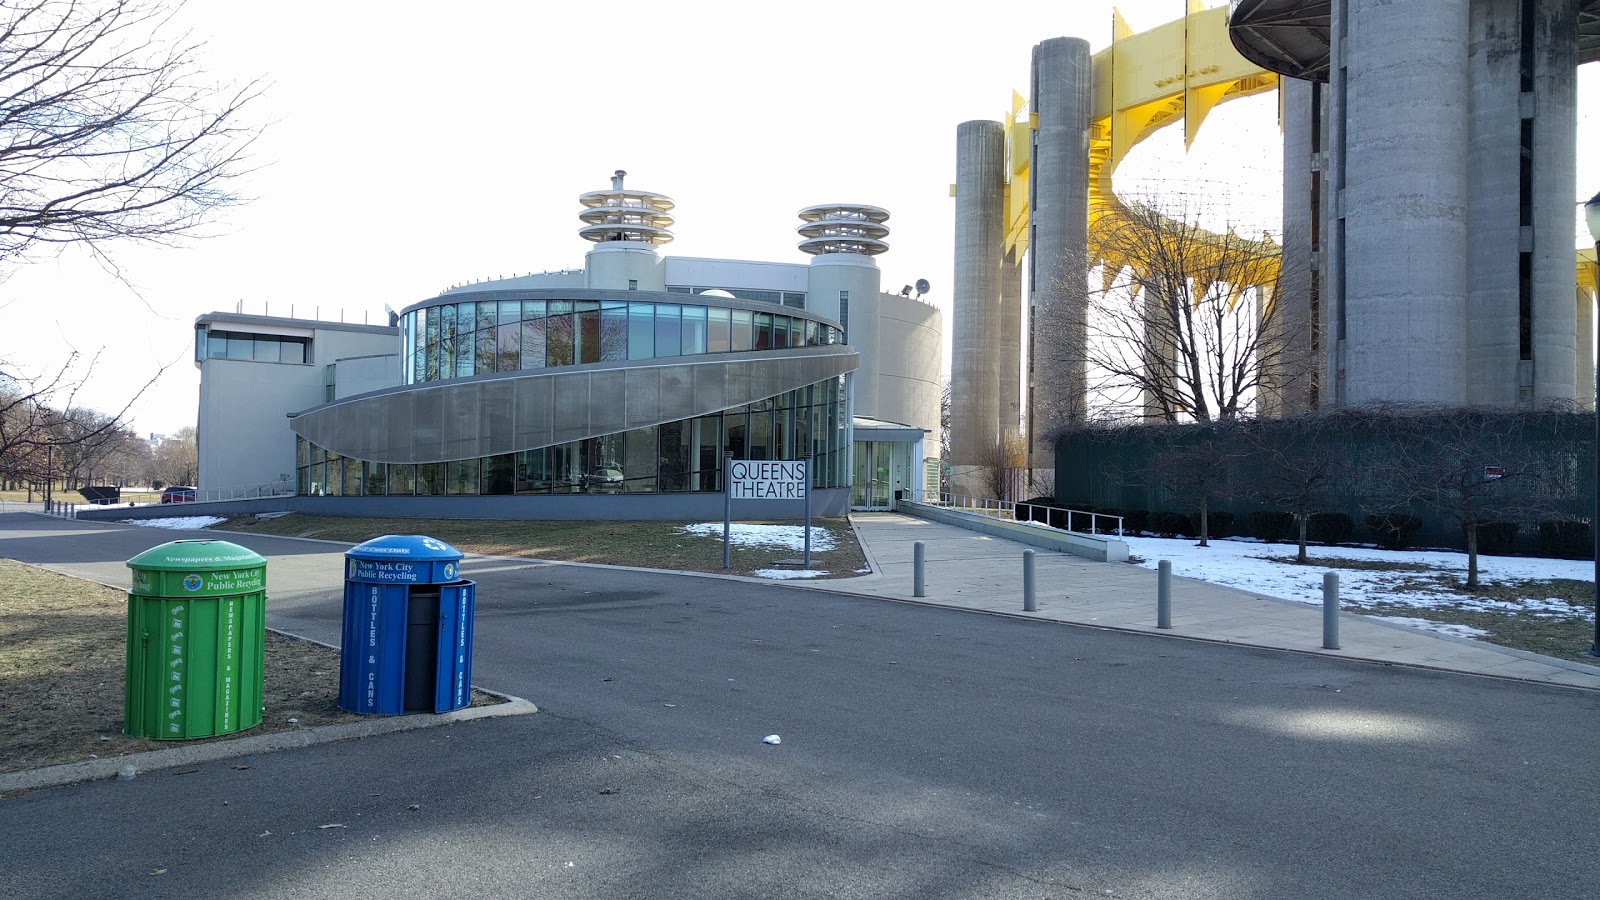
(1183, 324)
(1194, 464)
(1297, 468)
(41, 421)
(1473, 466)
(1001, 467)
(178, 459)
(108, 128)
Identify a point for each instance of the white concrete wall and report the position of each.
(360, 374)
(730, 273)
(611, 265)
(905, 361)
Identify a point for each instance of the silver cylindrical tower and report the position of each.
(1289, 380)
(626, 225)
(975, 361)
(1062, 98)
(1555, 183)
(1404, 180)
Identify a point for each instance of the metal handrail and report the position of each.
(1007, 509)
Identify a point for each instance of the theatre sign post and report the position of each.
(764, 479)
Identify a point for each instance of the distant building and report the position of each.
(611, 391)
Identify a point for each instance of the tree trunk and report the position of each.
(1472, 555)
(1301, 556)
(1205, 524)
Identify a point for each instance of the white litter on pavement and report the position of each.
(772, 739)
(791, 537)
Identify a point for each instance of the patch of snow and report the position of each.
(1466, 631)
(1245, 565)
(789, 537)
(785, 574)
(187, 523)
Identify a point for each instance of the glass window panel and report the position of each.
(499, 474)
(402, 480)
(675, 449)
(641, 331)
(461, 477)
(763, 331)
(217, 345)
(266, 350)
(735, 429)
(532, 309)
(302, 451)
(780, 332)
(199, 344)
(694, 330)
(614, 332)
(797, 332)
(533, 349)
(558, 333)
(447, 358)
(241, 347)
(719, 334)
(332, 475)
(486, 357)
(318, 474)
(708, 453)
(292, 352)
(430, 479)
(302, 481)
(639, 460)
(374, 479)
(743, 335)
(566, 468)
(466, 354)
(488, 315)
(510, 311)
(669, 332)
(602, 464)
(813, 335)
(588, 350)
(761, 435)
(509, 346)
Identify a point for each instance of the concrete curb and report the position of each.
(194, 754)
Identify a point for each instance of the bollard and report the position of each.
(1330, 611)
(919, 563)
(1029, 604)
(1164, 594)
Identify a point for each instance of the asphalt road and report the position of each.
(925, 753)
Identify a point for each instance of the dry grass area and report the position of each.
(61, 674)
(651, 545)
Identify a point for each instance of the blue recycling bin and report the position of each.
(407, 643)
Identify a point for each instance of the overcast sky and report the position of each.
(413, 150)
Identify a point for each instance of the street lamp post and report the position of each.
(1591, 216)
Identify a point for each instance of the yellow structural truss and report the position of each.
(1177, 72)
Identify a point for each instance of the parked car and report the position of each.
(178, 495)
(603, 481)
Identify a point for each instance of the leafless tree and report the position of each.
(1194, 464)
(42, 420)
(1473, 466)
(108, 127)
(1183, 325)
(178, 459)
(1296, 468)
(1001, 467)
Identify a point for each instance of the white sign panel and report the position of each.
(762, 480)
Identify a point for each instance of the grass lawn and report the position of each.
(651, 545)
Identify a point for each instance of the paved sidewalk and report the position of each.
(974, 571)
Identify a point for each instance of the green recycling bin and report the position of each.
(196, 635)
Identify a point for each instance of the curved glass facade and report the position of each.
(673, 457)
(479, 337)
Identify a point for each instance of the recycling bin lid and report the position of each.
(197, 555)
(405, 547)
(197, 568)
(403, 559)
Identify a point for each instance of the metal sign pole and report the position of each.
(727, 504)
(806, 486)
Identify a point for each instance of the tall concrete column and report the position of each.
(1404, 200)
(1555, 184)
(1062, 98)
(1494, 221)
(975, 358)
(1289, 376)
(1010, 344)
(1583, 348)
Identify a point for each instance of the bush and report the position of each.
(1135, 521)
(1170, 524)
(1393, 531)
(1497, 538)
(1219, 524)
(1271, 525)
(1565, 540)
(1331, 528)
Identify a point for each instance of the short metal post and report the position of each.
(919, 572)
(1330, 611)
(1164, 594)
(1029, 602)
